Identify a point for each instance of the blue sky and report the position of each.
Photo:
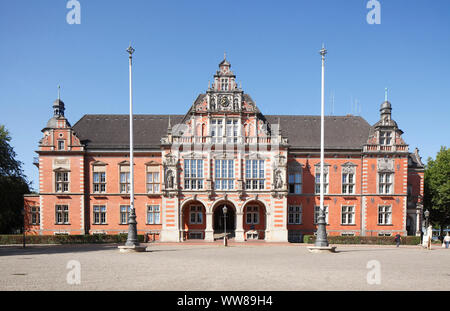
(272, 46)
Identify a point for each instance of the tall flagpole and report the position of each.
(132, 224)
(321, 239)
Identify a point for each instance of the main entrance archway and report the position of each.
(219, 220)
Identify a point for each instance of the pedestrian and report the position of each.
(398, 239)
(447, 240)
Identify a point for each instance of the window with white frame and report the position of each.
(153, 214)
(385, 183)
(325, 181)
(124, 178)
(254, 174)
(224, 175)
(295, 181)
(99, 179)
(35, 215)
(216, 130)
(99, 214)
(195, 214)
(224, 84)
(60, 144)
(316, 213)
(62, 214)
(384, 215)
(295, 215)
(152, 182)
(252, 215)
(348, 178)
(124, 211)
(232, 130)
(385, 137)
(348, 215)
(193, 174)
(62, 181)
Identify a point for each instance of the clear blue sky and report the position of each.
(272, 46)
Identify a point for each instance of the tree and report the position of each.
(13, 185)
(437, 188)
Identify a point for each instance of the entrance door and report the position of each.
(219, 220)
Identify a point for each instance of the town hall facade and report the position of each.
(224, 152)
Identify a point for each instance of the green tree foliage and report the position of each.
(13, 186)
(437, 188)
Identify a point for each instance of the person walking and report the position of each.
(398, 239)
(447, 240)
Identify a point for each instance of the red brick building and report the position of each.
(225, 152)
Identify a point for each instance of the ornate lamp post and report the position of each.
(225, 210)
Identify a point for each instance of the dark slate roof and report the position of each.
(415, 160)
(341, 132)
(112, 131)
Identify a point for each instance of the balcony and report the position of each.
(385, 148)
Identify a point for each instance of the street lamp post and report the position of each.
(225, 225)
(427, 215)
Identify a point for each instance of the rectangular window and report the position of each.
(62, 214)
(124, 182)
(62, 181)
(216, 130)
(348, 215)
(195, 215)
(384, 215)
(153, 182)
(153, 214)
(295, 215)
(193, 174)
(325, 183)
(295, 182)
(231, 130)
(254, 174)
(348, 183)
(224, 175)
(99, 182)
(124, 211)
(35, 215)
(385, 138)
(316, 213)
(385, 183)
(60, 144)
(99, 214)
(252, 215)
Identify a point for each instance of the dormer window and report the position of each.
(224, 84)
(60, 144)
(385, 138)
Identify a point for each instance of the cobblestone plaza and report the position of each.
(206, 267)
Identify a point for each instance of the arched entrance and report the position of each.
(193, 220)
(219, 220)
(254, 222)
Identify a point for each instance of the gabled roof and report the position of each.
(303, 132)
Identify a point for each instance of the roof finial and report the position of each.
(386, 94)
(59, 91)
(224, 55)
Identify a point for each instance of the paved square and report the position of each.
(264, 267)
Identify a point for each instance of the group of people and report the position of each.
(444, 240)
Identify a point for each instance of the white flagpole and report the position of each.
(322, 129)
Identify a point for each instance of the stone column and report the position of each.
(239, 232)
(418, 222)
(209, 232)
